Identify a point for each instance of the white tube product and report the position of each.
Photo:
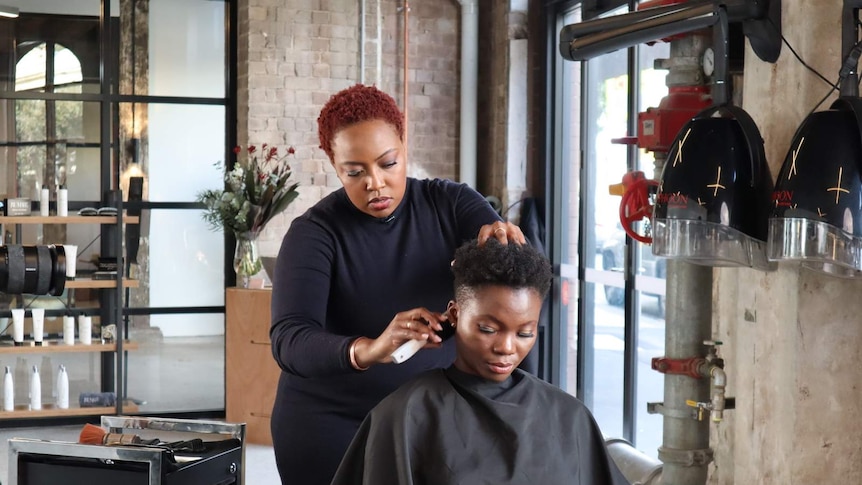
(18, 326)
(69, 330)
(62, 201)
(35, 390)
(44, 201)
(8, 391)
(62, 388)
(71, 251)
(38, 317)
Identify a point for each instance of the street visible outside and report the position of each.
(608, 351)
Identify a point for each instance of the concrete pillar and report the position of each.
(792, 337)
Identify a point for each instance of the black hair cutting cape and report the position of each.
(448, 427)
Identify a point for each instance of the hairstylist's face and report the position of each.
(370, 161)
(496, 328)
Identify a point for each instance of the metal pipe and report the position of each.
(685, 448)
(719, 383)
(361, 41)
(469, 87)
(573, 31)
(636, 466)
(628, 34)
(406, 66)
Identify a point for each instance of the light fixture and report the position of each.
(9, 12)
(816, 214)
(713, 198)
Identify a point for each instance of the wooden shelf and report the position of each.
(91, 283)
(54, 346)
(48, 410)
(67, 220)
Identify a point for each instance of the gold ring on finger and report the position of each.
(500, 229)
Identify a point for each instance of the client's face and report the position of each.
(370, 161)
(496, 328)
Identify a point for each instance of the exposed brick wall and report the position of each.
(294, 54)
(433, 81)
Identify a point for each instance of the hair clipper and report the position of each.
(409, 348)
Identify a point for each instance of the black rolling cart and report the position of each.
(217, 457)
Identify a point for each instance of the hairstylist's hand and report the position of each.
(501, 231)
(407, 325)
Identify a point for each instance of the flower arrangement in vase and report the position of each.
(257, 188)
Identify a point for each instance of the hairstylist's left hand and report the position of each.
(501, 231)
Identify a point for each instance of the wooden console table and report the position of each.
(251, 374)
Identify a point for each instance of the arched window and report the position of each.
(43, 127)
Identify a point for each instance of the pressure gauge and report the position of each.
(708, 61)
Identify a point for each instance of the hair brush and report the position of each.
(94, 435)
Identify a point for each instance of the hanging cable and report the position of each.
(799, 58)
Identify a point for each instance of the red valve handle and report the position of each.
(635, 206)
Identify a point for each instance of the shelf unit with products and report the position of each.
(81, 355)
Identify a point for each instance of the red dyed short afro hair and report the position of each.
(353, 105)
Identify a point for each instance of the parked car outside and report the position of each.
(613, 259)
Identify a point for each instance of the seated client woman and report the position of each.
(482, 420)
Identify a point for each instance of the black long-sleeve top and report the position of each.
(342, 274)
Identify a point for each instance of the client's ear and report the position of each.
(452, 312)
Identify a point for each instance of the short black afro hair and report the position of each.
(496, 264)
(353, 105)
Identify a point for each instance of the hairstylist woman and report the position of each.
(358, 275)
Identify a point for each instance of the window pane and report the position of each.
(650, 383)
(569, 152)
(606, 115)
(189, 270)
(69, 142)
(177, 148)
(178, 49)
(31, 69)
(161, 370)
(67, 70)
(604, 345)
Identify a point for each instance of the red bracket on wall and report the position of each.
(687, 367)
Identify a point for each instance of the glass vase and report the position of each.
(246, 259)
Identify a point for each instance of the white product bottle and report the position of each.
(69, 330)
(62, 388)
(8, 391)
(62, 201)
(85, 329)
(35, 390)
(44, 201)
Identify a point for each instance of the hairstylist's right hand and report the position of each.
(418, 323)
